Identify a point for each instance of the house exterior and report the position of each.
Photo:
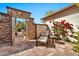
(70, 14)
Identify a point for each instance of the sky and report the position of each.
(38, 10)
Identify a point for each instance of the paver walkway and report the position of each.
(18, 46)
(60, 50)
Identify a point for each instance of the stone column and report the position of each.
(31, 29)
(13, 29)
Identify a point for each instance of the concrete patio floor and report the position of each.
(29, 48)
(60, 50)
(18, 46)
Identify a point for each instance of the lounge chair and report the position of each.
(42, 40)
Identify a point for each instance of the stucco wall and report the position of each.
(73, 19)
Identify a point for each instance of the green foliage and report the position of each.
(21, 26)
(77, 36)
(76, 44)
(67, 40)
(49, 13)
(76, 48)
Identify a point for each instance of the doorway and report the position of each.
(19, 29)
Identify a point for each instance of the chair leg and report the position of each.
(47, 44)
(36, 43)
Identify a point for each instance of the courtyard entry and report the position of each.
(20, 30)
(23, 27)
(12, 29)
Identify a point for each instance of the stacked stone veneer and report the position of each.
(5, 29)
(31, 30)
(41, 28)
(6, 24)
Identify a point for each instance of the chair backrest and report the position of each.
(44, 34)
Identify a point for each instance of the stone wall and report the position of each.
(40, 28)
(31, 30)
(34, 30)
(16, 13)
(5, 29)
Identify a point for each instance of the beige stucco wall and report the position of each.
(73, 19)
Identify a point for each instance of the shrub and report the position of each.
(21, 26)
(61, 29)
(76, 45)
(76, 48)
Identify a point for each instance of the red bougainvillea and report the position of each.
(62, 28)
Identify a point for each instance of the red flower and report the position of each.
(62, 28)
(68, 26)
(63, 21)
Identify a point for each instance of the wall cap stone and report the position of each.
(17, 9)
